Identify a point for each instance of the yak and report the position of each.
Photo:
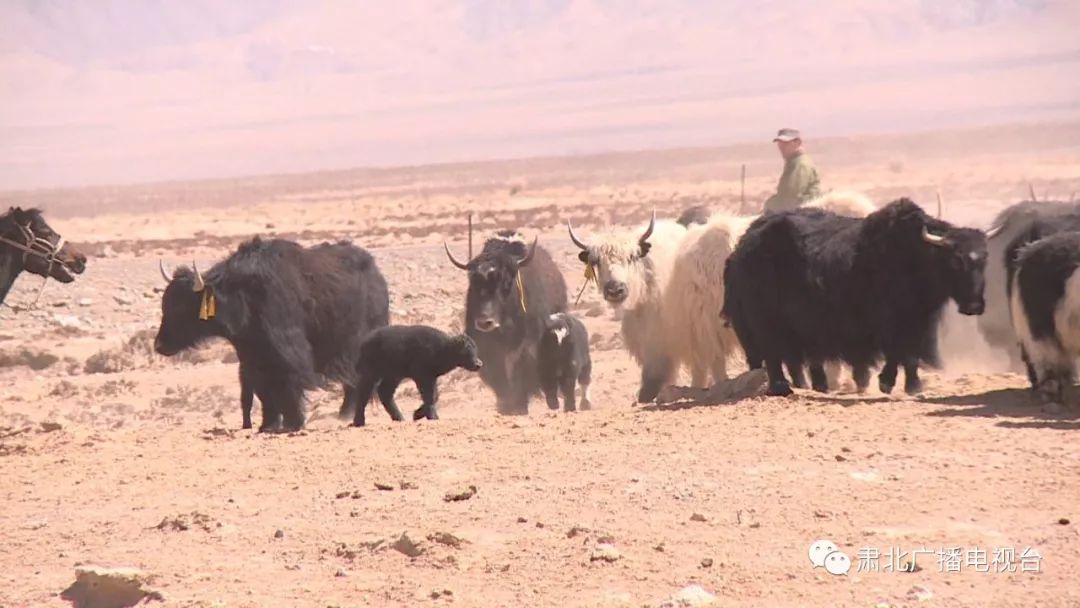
(512, 289)
(811, 285)
(695, 293)
(565, 361)
(1013, 228)
(28, 243)
(632, 269)
(295, 316)
(1044, 303)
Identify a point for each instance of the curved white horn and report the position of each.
(939, 204)
(933, 239)
(454, 260)
(164, 274)
(573, 237)
(199, 284)
(994, 230)
(529, 254)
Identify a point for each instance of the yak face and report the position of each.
(45, 254)
(557, 326)
(620, 264)
(193, 309)
(960, 258)
(463, 353)
(494, 298)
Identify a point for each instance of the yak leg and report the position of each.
(795, 370)
(887, 377)
(778, 385)
(567, 386)
(247, 398)
(429, 395)
(698, 376)
(719, 370)
(912, 384)
(654, 373)
(584, 379)
(819, 381)
(549, 383)
(861, 375)
(292, 405)
(387, 388)
(1033, 377)
(364, 388)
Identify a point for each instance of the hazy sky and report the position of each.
(107, 91)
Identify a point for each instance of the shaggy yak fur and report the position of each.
(809, 285)
(505, 323)
(419, 353)
(296, 317)
(565, 361)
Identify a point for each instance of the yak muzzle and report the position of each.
(486, 324)
(973, 308)
(615, 292)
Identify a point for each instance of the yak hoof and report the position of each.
(885, 387)
(779, 389)
(913, 388)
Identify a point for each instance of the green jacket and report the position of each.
(798, 183)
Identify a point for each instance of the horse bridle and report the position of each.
(36, 246)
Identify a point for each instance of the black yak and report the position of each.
(28, 243)
(512, 289)
(810, 285)
(565, 361)
(296, 316)
(408, 352)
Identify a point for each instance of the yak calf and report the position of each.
(564, 361)
(419, 353)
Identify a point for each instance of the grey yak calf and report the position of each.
(564, 361)
(392, 354)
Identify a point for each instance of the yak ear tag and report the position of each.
(208, 307)
(521, 291)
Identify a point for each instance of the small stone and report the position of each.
(707, 562)
(697, 517)
(341, 573)
(385, 487)
(522, 520)
(344, 494)
(48, 427)
(604, 552)
(755, 525)
(99, 586)
(123, 300)
(1064, 521)
(445, 538)
(407, 546)
(459, 496)
(919, 593)
(540, 524)
(408, 485)
(690, 597)
(279, 533)
(840, 458)
(659, 548)
(84, 302)
(845, 450)
(577, 531)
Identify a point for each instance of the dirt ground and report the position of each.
(114, 456)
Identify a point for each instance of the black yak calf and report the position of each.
(564, 361)
(1044, 300)
(419, 353)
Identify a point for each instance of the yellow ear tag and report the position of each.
(521, 291)
(208, 307)
(590, 272)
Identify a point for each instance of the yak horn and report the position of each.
(453, 260)
(573, 237)
(164, 274)
(1031, 190)
(648, 231)
(939, 205)
(993, 231)
(529, 254)
(933, 239)
(200, 284)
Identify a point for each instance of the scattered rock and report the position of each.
(384, 487)
(1064, 521)
(279, 533)
(840, 458)
(690, 597)
(918, 593)
(187, 521)
(459, 496)
(84, 302)
(123, 300)
(341, 495)
(522, 520)
(48, 427)
(408, 485)
(445, 538)
(100, 587)
(845, 450)
(660, 548)
(707, 562)
(438, 593)
(606, 553)
(697, 517)
(68, 321)
(407, 546)
(540, 524)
